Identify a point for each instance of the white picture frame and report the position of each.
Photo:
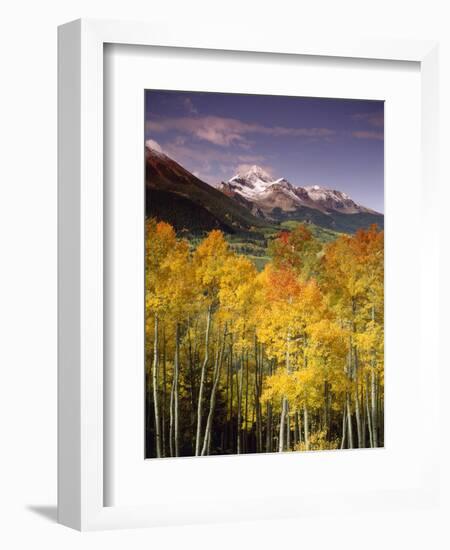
(81, 479)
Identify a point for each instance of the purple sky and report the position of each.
(335, 143)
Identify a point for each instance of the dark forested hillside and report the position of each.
(175, 195)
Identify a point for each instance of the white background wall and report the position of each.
(28, 270)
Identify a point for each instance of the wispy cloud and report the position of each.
(211, 164)
(179, 150)
(373, 119)
(243, 168)
(229, 131)
(368, 134)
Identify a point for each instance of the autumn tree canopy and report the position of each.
(241, 361)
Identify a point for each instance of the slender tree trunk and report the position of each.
(172, 416)
(373, 392)
(155, 390)
(284, 403)
(260, 388)
(288, 428)
(349, 424)
(258, 368)
(269, 428)
(164, 398)
(227, 403)
(306, 426)
(192, 385)
(202, 384)
(246, 406)
(364, 416)
(175, 385)
(356, 398)
(212, 403)
(296, 438)
(231, 424)
(282, 424)
(358, 417)
(369, 421)
(269, 419)
(344, 421)
(374, 410)
(380, 422)
(149, 412)
(240, 383)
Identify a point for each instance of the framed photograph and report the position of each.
(264, 299)
(236, 334)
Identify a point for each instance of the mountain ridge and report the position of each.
(248, 202)
(266, 194)
(175, 195)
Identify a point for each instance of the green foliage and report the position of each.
(335, 221)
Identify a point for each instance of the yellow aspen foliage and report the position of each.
(288, 358)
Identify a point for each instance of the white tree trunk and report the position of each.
(212, 403)
(368, 413)
(155, 390)
(373, 392)
(349, 424)
(172, 417)
(356, 398)
(284, 402)
(306, 426)
(358, 417)
(344, 423)
(175, 390)
(374, 409)
(288, 428)
(240, 382)
(282, 424)
(202, 385)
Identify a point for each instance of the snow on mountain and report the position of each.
(318, 193)
(265, 193)
(155, 148)
(249, 199)
(256, 184)
(252, 183)
(331, 199)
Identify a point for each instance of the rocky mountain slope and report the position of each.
(278, 199)
(176, 196)
(249, 202)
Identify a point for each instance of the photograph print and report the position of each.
(264, 274)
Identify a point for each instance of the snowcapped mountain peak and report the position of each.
(253, 174)
(155, 148)
(251, 182)
(256, 185)
(256, 170)
(316, 191)
(256, 190)
(331, 199)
